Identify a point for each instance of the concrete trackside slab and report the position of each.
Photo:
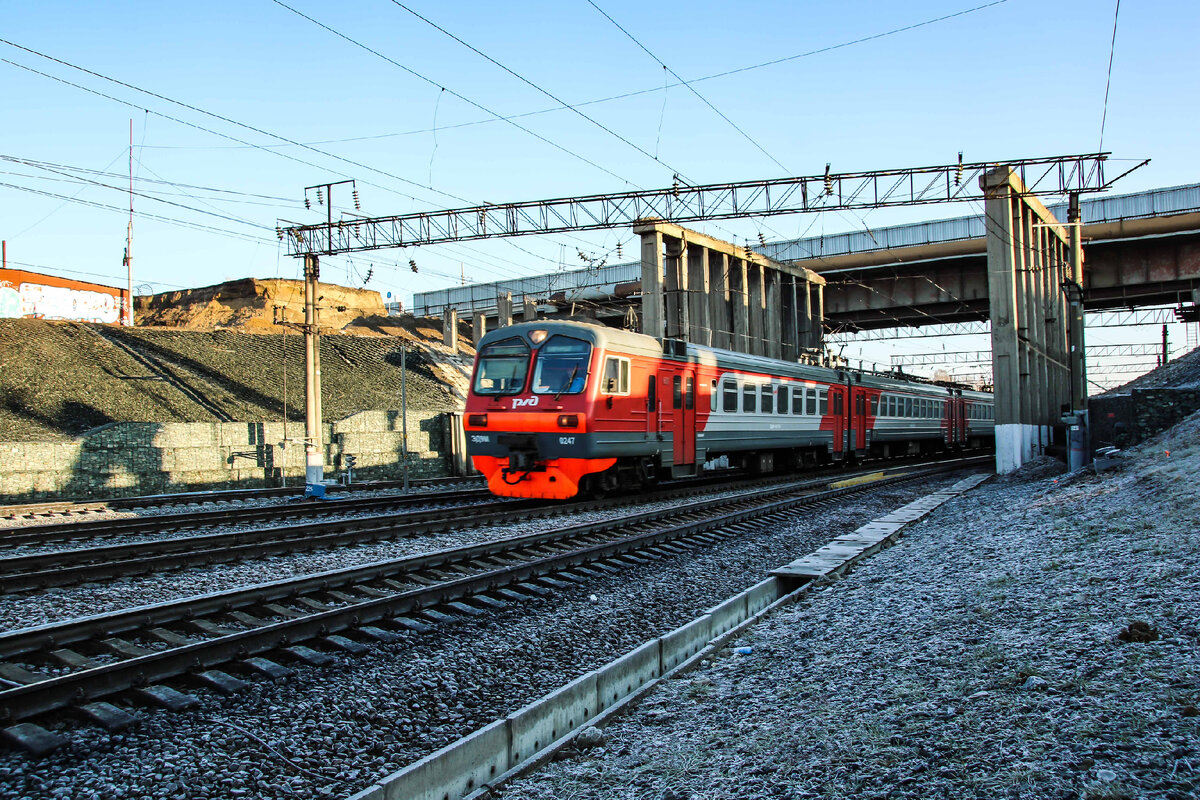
(627, 674)
(682, 643)
(454, 771)
(728, 614)
(762, 594)
(540, 723)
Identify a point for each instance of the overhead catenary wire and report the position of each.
(639, 92)
(1112, 49)
(230, 138)
(124, 211)
(538, 88)
(689, 86)
(228, 120)
(465, 99)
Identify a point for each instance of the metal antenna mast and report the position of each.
(127, 316)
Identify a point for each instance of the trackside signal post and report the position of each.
(1076, 418)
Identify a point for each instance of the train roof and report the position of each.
(623, 341)
(599, 335)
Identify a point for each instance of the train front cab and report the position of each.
(527, 414)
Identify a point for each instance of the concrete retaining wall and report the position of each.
(1127, 419)
(136, 458)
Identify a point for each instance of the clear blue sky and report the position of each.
(1017, 78)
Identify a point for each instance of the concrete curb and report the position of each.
(472, 767)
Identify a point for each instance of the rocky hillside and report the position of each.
(59, 379)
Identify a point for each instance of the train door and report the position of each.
(954, 413)
(962, 419)
(858, 425)
(683, 403)
(652, 407)
(837, 412)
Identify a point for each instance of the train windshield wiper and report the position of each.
(567, 385)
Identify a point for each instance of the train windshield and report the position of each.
(562, 366)
(503, 366)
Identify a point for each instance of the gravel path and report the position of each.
(343, 727)
(987, 655)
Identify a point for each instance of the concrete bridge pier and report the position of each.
(710, 292)
(1028, 258)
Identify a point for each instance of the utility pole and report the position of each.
(314, 456)
(314, 449)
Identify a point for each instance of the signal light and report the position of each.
(568, 420)
(477, 420)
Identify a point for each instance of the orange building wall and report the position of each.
(30, 294)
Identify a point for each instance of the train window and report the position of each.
(689, 394)
(908, 412)
(810, 402)
(503, 366)
(785, 395)
(768, 399)
(797, 400)
(822, 402)
(677, 392)
(729, 396)
(651, 393)
(616, 376)
(875, 406)
(750, 398)
(562, 366)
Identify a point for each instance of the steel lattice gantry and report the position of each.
(948, 183)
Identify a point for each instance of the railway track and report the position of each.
(37, 535)
(76, 664)
(68, 508)
(47, 569)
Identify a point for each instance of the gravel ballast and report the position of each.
(1037, 638)
(327, 732)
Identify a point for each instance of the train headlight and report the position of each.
(537, 337)
(568, 420)
(477, 420)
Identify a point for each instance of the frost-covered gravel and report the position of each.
(23, 610)
(979, 658)
(353, 723)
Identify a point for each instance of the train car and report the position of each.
(559, 407)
